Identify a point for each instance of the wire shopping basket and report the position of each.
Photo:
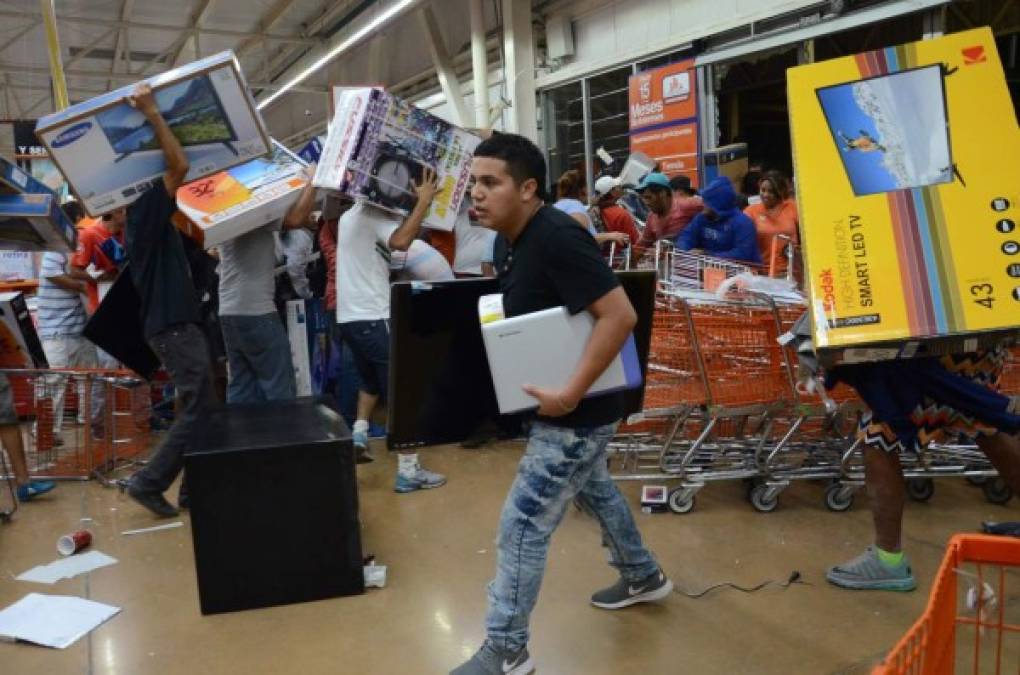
(964, 627)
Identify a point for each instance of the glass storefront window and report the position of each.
(563, 129)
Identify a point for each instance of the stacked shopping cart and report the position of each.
(722, 402)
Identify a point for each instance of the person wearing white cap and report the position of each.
(610, 217)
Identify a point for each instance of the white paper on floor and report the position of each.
(68, 567)
(53, 620)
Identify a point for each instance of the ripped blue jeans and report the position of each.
(559, 465)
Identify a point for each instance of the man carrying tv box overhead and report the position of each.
(169, 310)
(544, 260)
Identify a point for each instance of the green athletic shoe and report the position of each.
(867, 573)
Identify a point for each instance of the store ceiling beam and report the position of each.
(328, 14)
(121, 44)
(444, 66)
(30, 26)
(265, 24)
(189, 49)
(354, 34)
(1006, 6)
(166, 28)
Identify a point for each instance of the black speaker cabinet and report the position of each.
(274, 507)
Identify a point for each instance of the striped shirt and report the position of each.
(61, 311)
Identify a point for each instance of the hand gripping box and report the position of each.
(233, 202)
(378, 145)
(908, 186)
(109, 154)
(30, 215)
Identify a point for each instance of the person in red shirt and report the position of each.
(774, 215)
(668, 214)
(611, 216)
(101, 245)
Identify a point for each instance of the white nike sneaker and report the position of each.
(625, 593)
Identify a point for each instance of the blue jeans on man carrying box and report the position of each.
(258, 354)
(559, 464)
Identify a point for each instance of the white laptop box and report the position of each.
(543, 349)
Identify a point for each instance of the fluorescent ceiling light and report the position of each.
(338, 49)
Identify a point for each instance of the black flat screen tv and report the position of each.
(192, 109)
(440, 388)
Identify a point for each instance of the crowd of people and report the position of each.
(545, 253)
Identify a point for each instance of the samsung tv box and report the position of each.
(543, 349)
(35, 222)
(108, 151)
(234, 202)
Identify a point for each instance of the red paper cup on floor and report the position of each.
(74, 542)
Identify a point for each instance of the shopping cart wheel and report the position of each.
(996, 491)
(680, 502)
(763, 499)
(5, 516)
(920, 489)
(838, 498)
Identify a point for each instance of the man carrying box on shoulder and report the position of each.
(550, 262)
(169, 312)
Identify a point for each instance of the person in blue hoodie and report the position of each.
(721, 230)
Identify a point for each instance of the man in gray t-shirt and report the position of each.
(258, 352)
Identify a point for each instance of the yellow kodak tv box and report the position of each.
(907, 164)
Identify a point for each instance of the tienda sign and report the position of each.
(663, 112)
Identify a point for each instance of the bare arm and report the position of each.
(298, 214)
(404, 235)
(176, 161)
(68, 283)
(615, 318)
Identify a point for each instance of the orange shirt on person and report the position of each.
(782, 219)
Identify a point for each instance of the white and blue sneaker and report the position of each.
(492, 661)
(420, 479)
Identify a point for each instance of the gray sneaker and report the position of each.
(624, 593)
(867, 573)
(492, 661)
(421, 479)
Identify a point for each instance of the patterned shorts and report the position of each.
(937, 423)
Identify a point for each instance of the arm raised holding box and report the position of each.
(427, 189)
(143, 100)
(298, 214)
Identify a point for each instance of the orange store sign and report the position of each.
(663, 117)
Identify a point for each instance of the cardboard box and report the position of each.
(378, 145)
(309, 332)
(19, 343)
(35, 222)
(108, 152)
(729, 161)
(239, 200)
(908, 186)
(44, 228)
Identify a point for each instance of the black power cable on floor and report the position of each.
(794, 578)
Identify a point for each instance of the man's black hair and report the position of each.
(682, 183)
(73, 210)
(523, 158)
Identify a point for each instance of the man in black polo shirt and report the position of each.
(169, 311)
(545, 260)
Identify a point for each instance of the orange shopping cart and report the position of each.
(971, 623)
